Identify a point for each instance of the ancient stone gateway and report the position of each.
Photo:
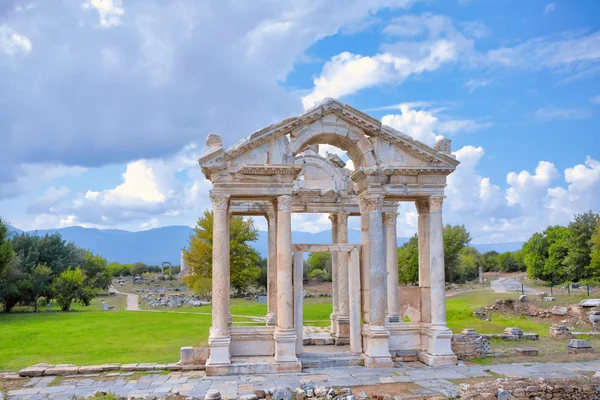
(277, 171)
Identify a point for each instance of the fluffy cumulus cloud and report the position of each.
(167, 189)
(125, 80)
(421, 44)
(426, 124)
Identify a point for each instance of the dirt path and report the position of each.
(132, 300)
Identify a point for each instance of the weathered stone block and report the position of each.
(559, 332)
(514, 331)
(548, 299)
(32, 371)
(523, 298)
(530, 336)
(526, 351)
(577, 346)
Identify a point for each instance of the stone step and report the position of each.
(312, 360)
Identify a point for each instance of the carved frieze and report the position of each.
(270, 170)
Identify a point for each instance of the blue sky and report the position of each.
(105, 104)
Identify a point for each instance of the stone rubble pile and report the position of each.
(162, 299)
(503, 389)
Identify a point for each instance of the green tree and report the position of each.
(70, 287)
(263, 278)
(317, 274)
(50, 250)
(544, 254)
(94, 270)
(490, 261)
(116, 269)
(139, 268)
(579, 245)
(594, 268)
(6, 251)
(456, 237)
(320, 260)
(469, 261)
(41, 285)
(243, 258)
(408, 261)
(15, 285)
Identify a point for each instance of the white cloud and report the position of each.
(558, 113)
(427, 125)
(12, 43)
(526, 189)
(550, 7)
(347, 73)
(50, 198)
(595, 99)
(110, 11)
(473, 84)
(30, 176)
(476, 29)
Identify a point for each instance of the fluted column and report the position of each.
(219, 338)
(436, 259)
(272, 268)
(285, 335)
(424, 262)
(391, 255)
(364, 261)
(334, 274)
(343, 318)
(376, 337)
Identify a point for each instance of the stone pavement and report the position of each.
(431, 381)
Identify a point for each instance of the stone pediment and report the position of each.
(368, 143)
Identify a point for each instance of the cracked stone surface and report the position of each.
(432, 380)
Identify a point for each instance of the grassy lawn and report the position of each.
(459, 314)
(94, 337)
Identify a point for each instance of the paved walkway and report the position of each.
(431, 381)
(132, 300)
(506, 285)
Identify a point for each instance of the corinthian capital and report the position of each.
(373, 203)
(435, 203)
(220, 201)
(390, 218)
(284, 203)
(422, 205)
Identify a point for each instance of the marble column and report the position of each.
(423, 235)
(391, 263)
(334, 274)
(435, 336)
(272, 269)
(377, 335)
(354, 307)
(343, 330)
(219, 339)
(364, 261)
(285, 334)
(436, 260)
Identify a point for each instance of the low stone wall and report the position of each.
(532, 389)
(467, 347)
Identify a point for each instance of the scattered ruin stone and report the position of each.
(514, 331)
(559, 310)
(577, 346)
(559, 332)
(530, 336)
(212, 394)
(523, 298)
(467, 347)
(260, 394)
(594, 318)
(469, 331)
(590, 303)
(548, 299)
(526, 351)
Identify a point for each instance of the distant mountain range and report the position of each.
(154, 246)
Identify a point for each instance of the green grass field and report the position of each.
(89, 336)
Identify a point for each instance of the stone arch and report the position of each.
(339, 134)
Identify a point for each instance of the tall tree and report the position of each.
(320, 260)
(243, 258)
(41, 285)
(544, 254)
(408, 261)
(6, 251)
(579, 244)
(594, 268)
(490, 261)
(70, 287)
(15, 286)
(456, 237)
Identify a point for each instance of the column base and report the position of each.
(333, 317)
(270, 319)
(285, 345)
(436, 347)
(342, 335)
(376, 347)
(220, 353)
